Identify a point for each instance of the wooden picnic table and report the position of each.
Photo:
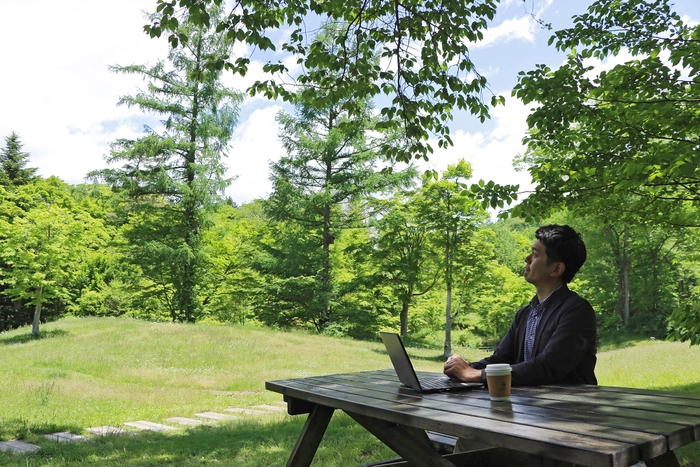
(580, 424)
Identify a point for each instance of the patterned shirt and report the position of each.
(536, 310)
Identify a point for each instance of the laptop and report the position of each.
(407, 375)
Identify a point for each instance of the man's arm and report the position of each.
(506, 352)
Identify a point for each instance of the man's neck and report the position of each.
(544, 290)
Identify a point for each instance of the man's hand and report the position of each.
(459, 368)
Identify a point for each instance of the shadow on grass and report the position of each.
(19, 428)
(617, 340)
(246, 443)
(28, 337)
(414, 357)
(691, 387)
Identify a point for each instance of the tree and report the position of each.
(328, 176)
(627, 132)
(405, 254)
(453, 213)
(632, 129)
(14, 163)
(425, 47)
(495, 299)
(289, 259)
(685, 316)
(43, 245)
(230, 281)
(173, 179)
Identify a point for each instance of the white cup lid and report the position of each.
(498, 369)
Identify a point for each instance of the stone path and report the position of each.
(149, 426)
(214, 416)
(20, 447)
(65, 437)
(184, 421)
(106, 431)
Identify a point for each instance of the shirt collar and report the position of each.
(539, 306)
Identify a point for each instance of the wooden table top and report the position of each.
(582, 424)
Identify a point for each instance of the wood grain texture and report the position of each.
(586, 425)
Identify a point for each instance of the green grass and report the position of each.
(92, 372)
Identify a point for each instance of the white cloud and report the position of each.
(524, 27)
(57, 92)
(59, 95)
(689, 21)
(254, 145)
(490, 152)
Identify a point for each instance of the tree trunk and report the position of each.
(448, 323)
(187, 302)
(37, 319)
(623, 264)
(328, 239)
(448, 305)
(404, 317)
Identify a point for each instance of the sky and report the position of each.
(58, 94)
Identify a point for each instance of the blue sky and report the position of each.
(59, 96)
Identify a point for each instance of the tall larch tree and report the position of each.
(173, 176)
(333, 162)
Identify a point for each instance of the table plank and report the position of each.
(677, 429)
(647, 403)
(641, 415)
(651, 443)
(589, 425)
(687, 397)
(564, 446)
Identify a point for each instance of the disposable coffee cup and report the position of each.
(498, 380)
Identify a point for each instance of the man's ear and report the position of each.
(558, 270)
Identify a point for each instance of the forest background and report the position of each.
(354, 238)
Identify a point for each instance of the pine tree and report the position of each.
(14, 163)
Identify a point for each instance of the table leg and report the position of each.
(538, 461)
(667, 459)
(310, 436)
(403, 441)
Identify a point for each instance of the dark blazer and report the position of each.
(564, 348)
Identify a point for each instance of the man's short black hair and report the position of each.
(564, 244)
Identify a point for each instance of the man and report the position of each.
(553, 339)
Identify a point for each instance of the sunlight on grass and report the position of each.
(653, 365)
(91, 372)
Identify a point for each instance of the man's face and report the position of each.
(537, 271)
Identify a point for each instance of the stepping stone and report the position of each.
(247, 411)
(273, 408)
(18, 447)
(65, 437)
(184, 421)
(214, 416)
(106, 430)
(149, 426)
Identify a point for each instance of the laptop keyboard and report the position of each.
(436, 383)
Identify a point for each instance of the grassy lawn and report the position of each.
(92, 372)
